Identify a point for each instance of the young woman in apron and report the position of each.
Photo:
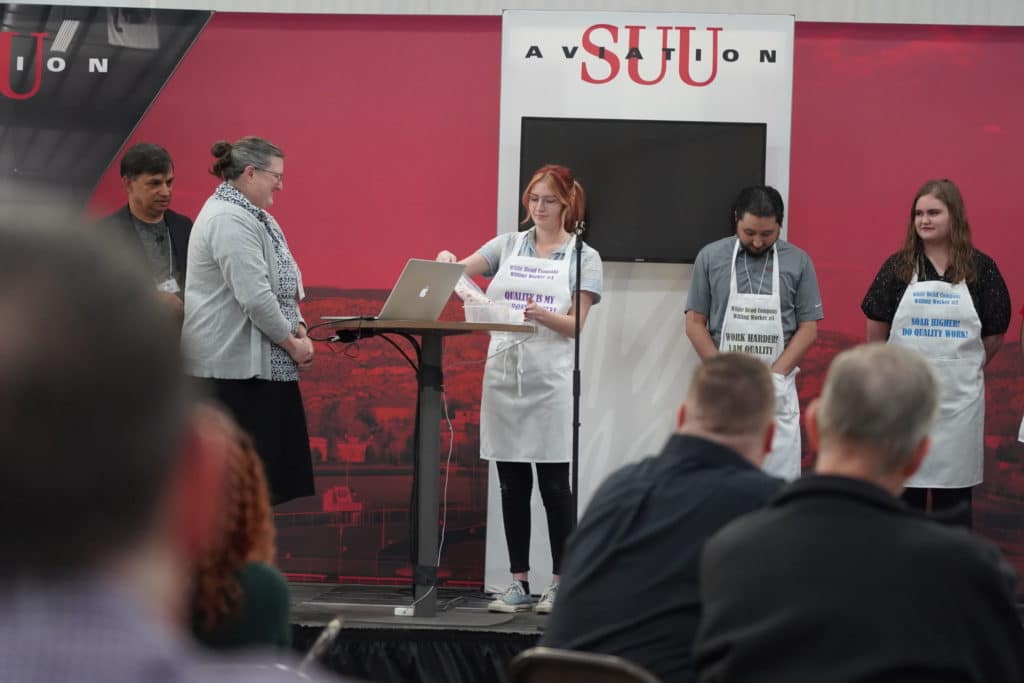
(945, 281)
(526, 403)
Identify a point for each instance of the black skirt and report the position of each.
(273, 415)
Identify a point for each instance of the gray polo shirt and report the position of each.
(709, 291)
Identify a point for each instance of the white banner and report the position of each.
(635, 359)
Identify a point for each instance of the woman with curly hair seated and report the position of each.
(240, 599)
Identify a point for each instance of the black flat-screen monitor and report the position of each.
(656, 190)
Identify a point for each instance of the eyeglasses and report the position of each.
(279, 177)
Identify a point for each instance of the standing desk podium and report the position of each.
(426, 479)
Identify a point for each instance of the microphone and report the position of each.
(579, 228)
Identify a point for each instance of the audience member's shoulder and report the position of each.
(751, 494)
(620, 484)
(627, 473)
(959, 543)
(754, 483)
(956, 552)
(261, 573)
(753, 524)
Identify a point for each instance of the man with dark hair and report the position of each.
(159, 234)
(758, 294)
(109, 476)
(629, 587)
(837, 579)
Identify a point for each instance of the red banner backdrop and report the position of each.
(390, 126)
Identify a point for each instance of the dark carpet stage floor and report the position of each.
(463, 642)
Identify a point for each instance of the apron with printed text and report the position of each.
(753, 324)
(938, 320)
(526, 403)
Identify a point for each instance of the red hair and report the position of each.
(247, 535)
(566, 188)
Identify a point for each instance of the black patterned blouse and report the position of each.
(989, 293)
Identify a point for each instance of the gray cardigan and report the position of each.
(231, 312)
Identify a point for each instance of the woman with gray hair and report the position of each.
(243, 332)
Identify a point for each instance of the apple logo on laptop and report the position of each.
(423, 292)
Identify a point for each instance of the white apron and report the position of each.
(753, 324)
(526, 403)
(938, 320)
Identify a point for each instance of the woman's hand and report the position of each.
(562, 323)
(445, 256)
(536, 312)
(302, 335)
(300, 348)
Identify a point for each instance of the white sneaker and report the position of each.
(547, 600)
(514, 599)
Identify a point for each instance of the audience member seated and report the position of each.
(630, 582)
(838, 580)
(109, 476)
(239, 598)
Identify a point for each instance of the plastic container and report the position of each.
(491, 313)
(467, 290)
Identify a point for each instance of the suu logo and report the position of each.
(35, 61)
(615, 46)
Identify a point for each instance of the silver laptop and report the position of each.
(421, 292)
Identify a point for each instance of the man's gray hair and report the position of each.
(881, 397)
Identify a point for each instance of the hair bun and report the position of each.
(221, 148)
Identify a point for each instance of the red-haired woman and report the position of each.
(240, 599)
(944, 298)
(526, 404)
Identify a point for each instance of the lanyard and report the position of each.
(750, 283)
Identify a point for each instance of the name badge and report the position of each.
(170, 285)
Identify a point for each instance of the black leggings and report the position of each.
(943, 499)
(516, 480)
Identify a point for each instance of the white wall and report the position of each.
(635, 358)
(956, 12)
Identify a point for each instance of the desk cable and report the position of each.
(444, 504)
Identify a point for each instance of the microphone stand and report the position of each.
(580, 227)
